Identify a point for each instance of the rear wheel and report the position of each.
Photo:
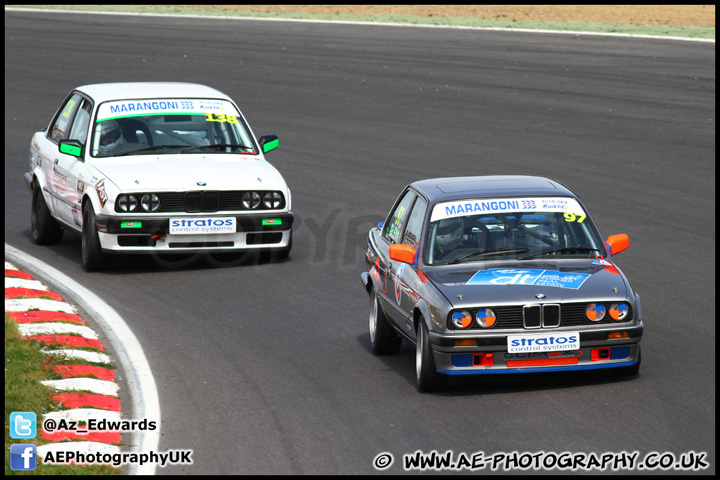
(93, 258)
(45, 229)
(428, 379)
(383, 339)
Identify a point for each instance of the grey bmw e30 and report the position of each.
(499, 274)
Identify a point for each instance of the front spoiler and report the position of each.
(161, 225)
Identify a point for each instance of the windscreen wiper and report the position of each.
(218, 146)
(559, 250)
(145, 149)
(480, 253)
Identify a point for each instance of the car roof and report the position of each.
(457, 188)
(101, 92)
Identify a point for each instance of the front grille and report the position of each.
(541, 316)
(203, 201)
(532, 315)
(537, 316)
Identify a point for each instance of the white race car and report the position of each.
(156, 168)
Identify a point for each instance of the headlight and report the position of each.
(618, 311)
(150, 202)
(485, 317)
(272, 200)
(595, 312)
(251, 200)
(127, 203)
(462, 319)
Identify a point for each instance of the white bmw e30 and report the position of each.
(156, 168)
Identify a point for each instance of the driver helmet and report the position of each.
(110, 136)
(449, 233)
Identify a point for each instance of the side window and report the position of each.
(393, 227)
(59, 130)
(80, 125)
(415, 224)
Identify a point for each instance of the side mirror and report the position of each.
(617, 243)
(71, 147)
(269, 143)
(403, 253)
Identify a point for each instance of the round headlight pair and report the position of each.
(596, 311)
(484, 317)
(150, 202)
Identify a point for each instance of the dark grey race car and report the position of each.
(499, 274)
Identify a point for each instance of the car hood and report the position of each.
(506, 283)
(144, 173)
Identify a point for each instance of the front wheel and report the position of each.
(93, 258)
(428, 379)
(45, 229)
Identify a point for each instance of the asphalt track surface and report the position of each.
(266, 367)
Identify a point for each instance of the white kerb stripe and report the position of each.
(101, 387)
(32, 329)
(26, 304)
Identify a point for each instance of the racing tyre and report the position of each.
(383, 339)
(93, 258)
(428, 379)
(45, 229)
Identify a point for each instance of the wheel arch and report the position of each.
(421, 312)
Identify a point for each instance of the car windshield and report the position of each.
(510, 228)
(182, 126)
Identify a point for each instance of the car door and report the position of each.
(388, 269)
(407, 281)
(72, 124)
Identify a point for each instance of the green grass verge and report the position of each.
(24, 369)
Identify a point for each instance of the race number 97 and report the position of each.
(571, 217)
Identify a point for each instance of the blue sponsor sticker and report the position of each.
(515, 276)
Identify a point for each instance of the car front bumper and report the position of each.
(490, 355)
(152, 234)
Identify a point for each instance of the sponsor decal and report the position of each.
(163, 106)
(555, 354)
(102, 194)
(505, 205)
(513, 276)
(398, 282)
(196, 226)
(546, 342)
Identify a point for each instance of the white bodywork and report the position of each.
(68, 182)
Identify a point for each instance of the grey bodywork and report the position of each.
(412, 292)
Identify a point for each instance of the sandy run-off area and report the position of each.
(659, 15)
